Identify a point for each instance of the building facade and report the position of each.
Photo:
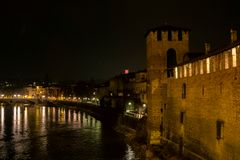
(193, 105)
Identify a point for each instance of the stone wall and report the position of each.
(212, 99)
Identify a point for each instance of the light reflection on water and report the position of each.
(41, 132)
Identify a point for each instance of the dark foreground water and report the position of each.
(39, 132)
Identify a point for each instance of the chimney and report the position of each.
(233, 35)
(207, 47)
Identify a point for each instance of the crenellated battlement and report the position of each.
(168, 35)
(213, 62)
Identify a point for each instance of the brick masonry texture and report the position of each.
(210, 97)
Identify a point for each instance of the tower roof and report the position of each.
(167, 28)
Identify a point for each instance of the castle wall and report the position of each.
(156, 69)
(205, 120)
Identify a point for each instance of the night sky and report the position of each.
(73, 40)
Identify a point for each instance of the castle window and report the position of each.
(185, 70)
(202, 90)
(234, 57)
(226, 60)
(180, 72)
(170, 35)
(220, 61)
(182, 115)
(213, 64)
(184, 91)
(171, 61)
(176, 72)
(180, 35)
(190, 69)
(219, 129)
(196, 68)
(208, 65)
(201, 67)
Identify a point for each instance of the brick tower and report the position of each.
(166, 46)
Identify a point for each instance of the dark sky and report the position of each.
(99, 38)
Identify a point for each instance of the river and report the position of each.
(42, 132)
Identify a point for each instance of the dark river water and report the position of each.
(41, 132)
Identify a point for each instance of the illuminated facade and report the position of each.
(196, 107)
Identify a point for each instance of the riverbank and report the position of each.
(136, 137)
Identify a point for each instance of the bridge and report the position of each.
(20, 100)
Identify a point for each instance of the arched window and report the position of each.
(184, 91)
(171, 61)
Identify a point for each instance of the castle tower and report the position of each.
(166, 46)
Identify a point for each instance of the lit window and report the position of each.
(176, 72)
(190, 69)
(226, 60)
(208, 65)
(196, 68)
(180, 72)
(201, 67)
(185, 70)
(234, 57)
(219, 127)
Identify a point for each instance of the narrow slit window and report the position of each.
(182, 117)
(234, 57)
(184, 91)
(202, 90)
(219, 129)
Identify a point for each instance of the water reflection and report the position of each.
(41, 132)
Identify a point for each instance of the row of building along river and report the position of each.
(42, 132)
